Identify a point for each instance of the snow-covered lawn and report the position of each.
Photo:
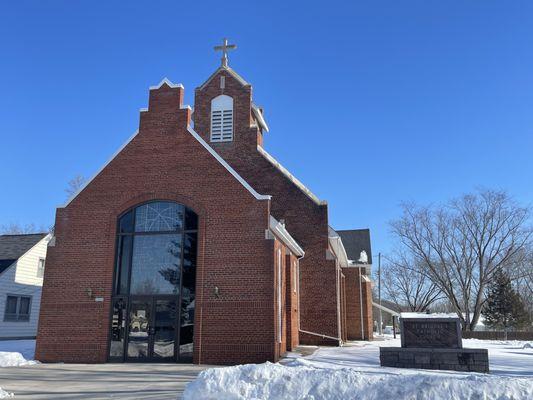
(16, 353)
(353, 372)
(350, 372)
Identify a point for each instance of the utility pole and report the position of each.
(380, 319)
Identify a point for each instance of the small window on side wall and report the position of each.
(17, 308)
(222, 119)
(40, 268)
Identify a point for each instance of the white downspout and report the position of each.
(361, 304)
(338, 273)
(280, 311)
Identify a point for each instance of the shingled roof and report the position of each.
(14, 246)
(355, 241)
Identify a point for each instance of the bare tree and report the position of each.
(522, 276)
(74, 185)
(463, 243)
(406, 284)
(18, 229)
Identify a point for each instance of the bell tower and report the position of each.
(224, 112)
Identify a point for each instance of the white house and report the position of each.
(22, 263)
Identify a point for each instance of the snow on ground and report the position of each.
(4, 394)
(16, 353)
(353, 372)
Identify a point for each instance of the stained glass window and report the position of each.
(159, 217)
(156, 264)
(155, 259)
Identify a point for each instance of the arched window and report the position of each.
(222, 119)
(155, 279)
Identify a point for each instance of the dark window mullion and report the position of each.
(178, 322)
(127, 297)
(130, 261)
(159, 232)
(19, 304)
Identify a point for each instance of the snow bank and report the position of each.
(300, 380)
(17, 353)
(24, 347)
(353, 372)
(13, 359)
(4, 394)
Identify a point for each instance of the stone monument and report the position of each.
(433, 343)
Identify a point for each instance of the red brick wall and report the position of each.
(343, 308)
(353, 306)
(163, 162)
(367, 310)
(306, 220)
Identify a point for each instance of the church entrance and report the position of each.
(152, 318)
(152, 329)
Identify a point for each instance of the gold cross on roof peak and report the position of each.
(224, 48)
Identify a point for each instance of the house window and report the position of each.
(222, 119)
(40, 268)
(17, 308)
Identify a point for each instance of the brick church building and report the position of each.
(193, 244)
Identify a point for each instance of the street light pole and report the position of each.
(380, 321)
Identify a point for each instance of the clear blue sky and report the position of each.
(369, 103)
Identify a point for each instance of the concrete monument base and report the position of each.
(468, 360)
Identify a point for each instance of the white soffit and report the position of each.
(337, 246)
(291, 177)
(260, 118)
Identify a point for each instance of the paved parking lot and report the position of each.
(98, 381)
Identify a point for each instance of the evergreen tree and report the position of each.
(504, 309)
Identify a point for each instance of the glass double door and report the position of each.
(152, 329)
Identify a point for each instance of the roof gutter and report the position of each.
(387, 310)
(278, 229)
(259, 116)
(337, 247)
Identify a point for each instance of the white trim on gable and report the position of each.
(279, 230)
(260, 117)
(168, 82)
(290, 176)
(227, 166)
(98, 172)
(185, 107)
(234, 74)
(193, 133)
(202, 142)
